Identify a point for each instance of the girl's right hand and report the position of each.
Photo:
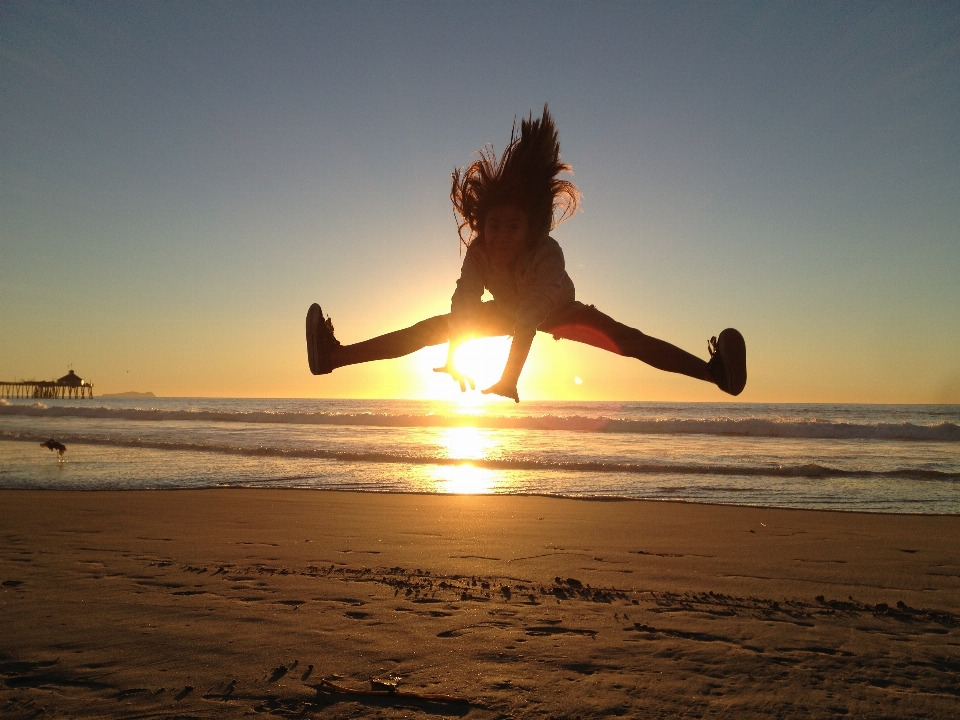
(458, 376)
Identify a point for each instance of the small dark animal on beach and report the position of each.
(52, 444)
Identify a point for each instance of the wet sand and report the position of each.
(222, 603)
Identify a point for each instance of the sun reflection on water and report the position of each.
(466, 443)
(464, 479)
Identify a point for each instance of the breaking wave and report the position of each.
(737, 427)
(809, 470)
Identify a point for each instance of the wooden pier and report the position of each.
(69, 386)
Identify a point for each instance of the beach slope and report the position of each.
(221, 603)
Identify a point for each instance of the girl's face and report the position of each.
(505, 231)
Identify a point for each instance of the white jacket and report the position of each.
(534, 287)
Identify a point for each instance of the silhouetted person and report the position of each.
(506, 208)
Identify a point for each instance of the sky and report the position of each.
(179, 181)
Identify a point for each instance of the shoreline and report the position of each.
(221, 602)
(426, 493)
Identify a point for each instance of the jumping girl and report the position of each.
(506, 209)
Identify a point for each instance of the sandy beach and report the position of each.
(223, 603)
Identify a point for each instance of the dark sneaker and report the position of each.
(728, 361)
(320, 341)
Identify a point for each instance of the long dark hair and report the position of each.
(524, 176)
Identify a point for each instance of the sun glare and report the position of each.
(481, 359)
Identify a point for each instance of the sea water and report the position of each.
(881, 458)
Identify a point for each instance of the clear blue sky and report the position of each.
(179, 181)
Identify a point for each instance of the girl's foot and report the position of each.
(320, 341)
(728, 361)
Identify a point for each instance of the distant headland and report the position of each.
(129, 394)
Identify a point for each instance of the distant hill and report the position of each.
(130, 394)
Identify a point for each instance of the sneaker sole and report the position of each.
(314, 318)
(733, 351)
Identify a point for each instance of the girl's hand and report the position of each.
(458, 377)
(504, 388)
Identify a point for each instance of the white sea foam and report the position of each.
(722, 426)
(887, 458)
(803, 470)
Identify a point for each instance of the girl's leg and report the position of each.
(586, 324)
(434, 331)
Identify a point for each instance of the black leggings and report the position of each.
(578, 322)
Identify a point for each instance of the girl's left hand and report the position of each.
(459, 377)
(505, 389)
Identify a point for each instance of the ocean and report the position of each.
(876, 458)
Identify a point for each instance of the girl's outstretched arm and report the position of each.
(519, 349)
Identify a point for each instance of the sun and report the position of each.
(481, 359)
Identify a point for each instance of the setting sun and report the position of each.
(483, 359)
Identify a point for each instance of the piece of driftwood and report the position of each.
(433, 697)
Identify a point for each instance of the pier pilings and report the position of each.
(45, 390)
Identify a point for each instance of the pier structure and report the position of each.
(69, 386)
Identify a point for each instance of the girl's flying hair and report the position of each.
(525, 176)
